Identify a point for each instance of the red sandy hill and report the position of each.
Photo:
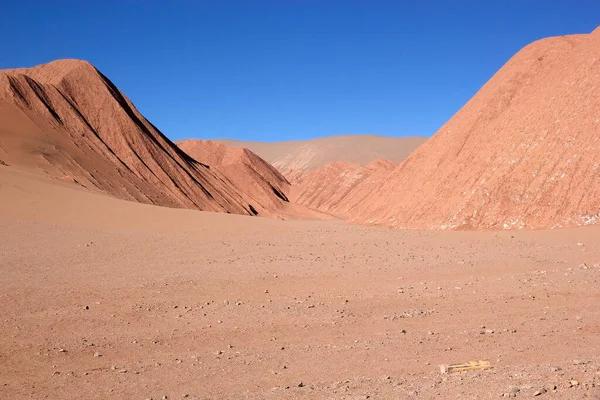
(244, 170)
(336, 188)
(68, 120)
(524, 152)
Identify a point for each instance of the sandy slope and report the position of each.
(524, 152)
(246, 171)
(179, 302)
(295, 158)
(257, 181)
(339, 187)
(69, 121)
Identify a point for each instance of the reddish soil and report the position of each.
(247, 172)
(67, 119)
(107, 298)
(337, 188)
(104, 298)
(524, 152)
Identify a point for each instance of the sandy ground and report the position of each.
(107, 299)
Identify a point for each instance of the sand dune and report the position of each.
(69, 121)
(524, 152)
(297, 157)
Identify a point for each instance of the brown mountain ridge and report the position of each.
(296, 158)
(524, 152)
(67, 119)
(338, 187)
(246, 171)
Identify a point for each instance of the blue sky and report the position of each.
(272, 70)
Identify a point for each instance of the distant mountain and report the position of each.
(295, 158)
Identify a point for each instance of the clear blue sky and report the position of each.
(289, 69)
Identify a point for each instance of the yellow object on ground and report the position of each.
(468, 366)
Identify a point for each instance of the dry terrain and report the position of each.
(295, 158)
(69, 121)
(104, 298)
(524, 152)
(338, 188)
(244, 169)
(118, 282)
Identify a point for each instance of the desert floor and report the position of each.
(107, 299)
